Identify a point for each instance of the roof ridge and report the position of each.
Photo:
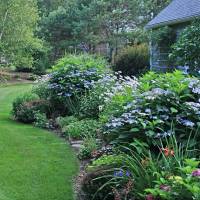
(177, 11)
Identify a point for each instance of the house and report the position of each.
(176, 16)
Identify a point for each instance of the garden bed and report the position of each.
(140, 135)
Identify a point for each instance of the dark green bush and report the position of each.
(40, 60)
(24, 107)
(22, 111)
(132, 60)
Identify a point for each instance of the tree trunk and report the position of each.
(3, 24)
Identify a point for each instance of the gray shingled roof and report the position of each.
(177, 11)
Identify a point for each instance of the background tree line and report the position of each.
(37, 32)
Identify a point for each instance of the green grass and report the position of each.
(34, 164)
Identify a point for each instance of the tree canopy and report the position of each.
(18, 23)
(70, 26)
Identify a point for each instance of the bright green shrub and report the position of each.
(81, 129)
(133, 60)
(82, 62)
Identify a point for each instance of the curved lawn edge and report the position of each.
(35, 164)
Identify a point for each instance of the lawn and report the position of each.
(35, 164)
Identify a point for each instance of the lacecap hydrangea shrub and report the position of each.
(70, 78)
(147, 108)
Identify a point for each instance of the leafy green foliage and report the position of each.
(81, 62)
(81, 129)
(18, 23)
(57, 30)
(71, 78)
(186, 50)
(164, 36)
(142, 169)
(89, 146)
(159, 101)
(182, 185)
(41, 120)
(25, 106)
(22, 108)
(65, 121)
(133, 60)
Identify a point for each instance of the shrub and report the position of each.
(89, 146)
(91, 103)
(118, 93)
(186, 51)
(70, 79)
(133, 60)
(24, 107)
(40, 60)
(83, 128)
(95, 101)
(65, 121)
(159, 101)
(82, 62)
(42, 89)
(41, 120)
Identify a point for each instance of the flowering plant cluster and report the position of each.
(154, 105)
(67, 83)
(184, 184)
(69, 80)
(111, 90)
